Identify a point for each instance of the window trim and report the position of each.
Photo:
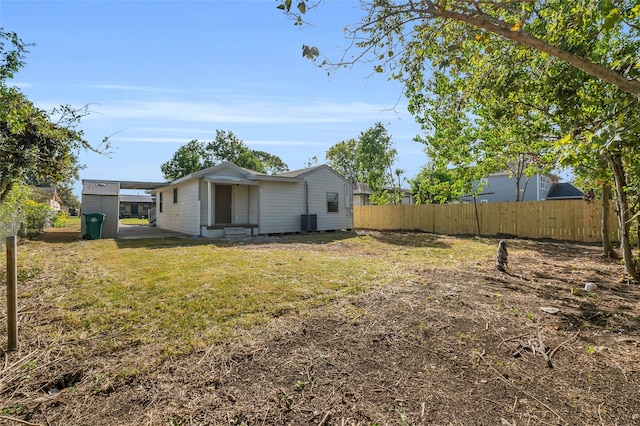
(160, 202)
(175, 195)
(336, 202)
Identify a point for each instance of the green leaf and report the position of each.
(612, 19)
(302, 7)
(281, 6)
(310, 52)
(287, 5)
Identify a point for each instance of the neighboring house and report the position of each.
(564, 191)
(362, 195)
(501, 187)
(50, 197)
(228, 200)
(136, 205)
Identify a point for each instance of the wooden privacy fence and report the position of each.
(573, 220)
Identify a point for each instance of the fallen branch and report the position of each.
(542, 349)
(324, 419)
(23, 422)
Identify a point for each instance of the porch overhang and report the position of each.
(230, 180)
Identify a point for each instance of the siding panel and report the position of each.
(183, 215)
(321, 182)
(281, 204)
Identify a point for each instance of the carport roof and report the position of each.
(125, 184)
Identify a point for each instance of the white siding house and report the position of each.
(229, 200)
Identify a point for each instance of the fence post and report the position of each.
(12, 293)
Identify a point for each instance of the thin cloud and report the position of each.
(283, 143)
(248, 113)
(20, 84)
(151, 139)
(133, 88)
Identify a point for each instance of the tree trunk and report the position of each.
(607, 247)
(615, 162)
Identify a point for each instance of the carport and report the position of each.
(103, 196)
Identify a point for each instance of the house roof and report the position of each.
(217, 174)
(553, 177)
(126, 184)
(250, 177)
(362, 188)
(49, 191)
(126, 198)
(564, 191)
(298, 173)
(310, 170)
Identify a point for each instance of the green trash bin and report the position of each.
(93, 222)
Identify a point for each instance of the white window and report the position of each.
(484, 181)
(484, 201)
(544, 183)
(332, 202)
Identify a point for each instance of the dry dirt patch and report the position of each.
(444, 344)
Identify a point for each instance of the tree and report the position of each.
(341, 157)
(272, 163)
(189, 158)
(375, 156)
(368, 159)
(228, 147)
(64, 189)
(34, 142)
(554, 27)
(432, 185)
(197, 155)
(562, 113)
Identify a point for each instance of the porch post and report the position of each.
(209, 203)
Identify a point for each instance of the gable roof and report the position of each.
(297, 173)
(230, 173)
(212, 171)
(564, 191)
(310, 170)
(250, 177)
(49, 191)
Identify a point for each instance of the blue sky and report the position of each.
(158, 74)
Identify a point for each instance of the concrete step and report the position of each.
(235, 232)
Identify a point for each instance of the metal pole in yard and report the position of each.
(12, 293)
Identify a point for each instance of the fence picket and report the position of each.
(572, 220)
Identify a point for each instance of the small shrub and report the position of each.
(36, 217)
(59, 220)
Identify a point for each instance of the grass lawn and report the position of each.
(332, 328)
(134, 221)
(184, 294)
